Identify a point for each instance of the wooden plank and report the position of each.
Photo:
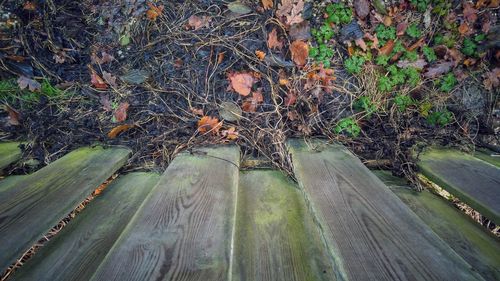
(473, 181)
(35, 204)
(10, 181)
(76, 252)
(183, 231)
(488, 156)
(370, 231)
(466, 237)
(276, 238)
(9, 153)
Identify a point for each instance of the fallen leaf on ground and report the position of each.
(14, 116)
(438, 69)
(300, 52)
(121, 112)
(196, 22)
(220, 57)
(463, 28)
(59, 57)
(241, 82)
(209, 124)
(154, 11)
(230, 111)
(362, 8)
(361, 43)
(272, 40)
(401, 28)
(251, 103)
(387, 21)
(300, 31)
(260, 54)
(387, 48)
(96, 80)
(290, 99)
(135, 76)
(267, 4)
(118, 130)
(109, 78)
(374, 40)
(470, 14)
(106, 103)
(25, 82)
(417, 44)
(29, 6)
(230, 134)
(418, 64)
(290, 11)
(105, 58)
(239, 8)
(492, 79)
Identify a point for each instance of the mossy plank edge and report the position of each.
(473, 181)
(184, 228)
(9, 153)
(76, 252)
(33, 205)
(372, 233)
(276, 239)
(472, 242)
(488, 156)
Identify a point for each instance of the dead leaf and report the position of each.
(209, 124)
(106, 58)
(154, 11)
(196, 22)
(401, 28)
(362, 8)
(300, 52)
(109, 78)
(241, 83)
(455, 55)
(463, 28)
(25, 82)
(416, 45)
(387, 48)
(106, 103)
(14, 116)
(59, 57)
(260, 55)
(121, 112)
(418, 64)
(197, 111)
(29, 6)
(118, 130)
(387, 21)
(469, 62)
(290, 99)
(272, 40)
(470, 14)
(220, 57)
(492, 79)
(96, 80)
(361, 43)
(438, 69)
(374, 40)
(290, 11)
(251, 103)
(300, 31)
(267, 4)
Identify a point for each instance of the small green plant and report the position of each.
(413, 31)
(480, 37)
(348, 125)
(323, 34)
(354, 64)
(403, 102)
(412, 76)
(447, 40)
(411, 55)
(322, 54)
(421, 5)
(384, 84)
(447, 82)
(441, 118)
(364, 103)
(398, 47)
(338, 13)
(385, 33)
(382, 60)
(397, 76)
(469, 47)
(441, 7)
(429, 54)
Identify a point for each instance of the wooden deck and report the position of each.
(206, 219)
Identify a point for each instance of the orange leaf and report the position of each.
(121, 112)
(118, 130)
(272, 40)
(267, 4)
(463, 28)
(251, 103)
(260, 54)
(154, 11)
(387, 49)
(230, 134)
(220, 57)
(300, 52)
(29, 6)
(207, 124)
(96, 80)
(417, 44)
(242, 83)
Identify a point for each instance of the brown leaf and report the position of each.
(118, 130)
(463, 28)
(230, 134)
(154, 11)
(106, 103)
(374, 40)
(300, 31)
(272, 40)
(290, 99)
(492, 79)
(106, 58)
(251, 103)
(417, 44)
(241, 83)
(361, 43)
(387, 21)
(110, 79)
(291, 11)
(438, 69)
(401, 28)
(455, 55)
(260, 55)
(197, 111)
(267, 4)
(387, 48)
(300, 52)
(362, 8)
(121, 112)
(25, 82)
(196, 22)
(14, 116)
(418, 64)
(96, 80)
(209, 124)
(470, 14)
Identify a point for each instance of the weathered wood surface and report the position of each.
(488, 156)
(467, 238)
(9, 153)
(10, 181)
(183, 231)
(276, 238)
(76, 252)
(370, 231)
(33, 205)
(473, 181)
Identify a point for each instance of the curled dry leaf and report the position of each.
(291, 11)
(241, 82)
(438, 69)
(267, 4)
(109, 78)
(25, 82)
(300, 52)
(14, 116)
(230, 134)
(273, 41)
(196, 22)
(96, 80)
(121, 112)
(387, 48)
(463, 28)
(119, 129)
(260, 55)
(209, 124)
(154, 11)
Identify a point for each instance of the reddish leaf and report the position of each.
(361, 43)
(272, 40)
(242, 83)
(230, 134)
(121, 112)
(96, 80)
(290, 99)
(14, 116)
(463, 28)
(362, 8)
(251, 103)
(154, 11)
(300, 52)
(25, 82)
(290, 11)
(387, 49)
(417, 44)
(260, 55)
(118, 130)
(209, 124)
(110, 79)
(401, 28)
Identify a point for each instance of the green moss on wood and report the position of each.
(9, 153)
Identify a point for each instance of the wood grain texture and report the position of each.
(372, 233)
(276, 238)
(466, 237)
(9, 153)
(472, 180)
(183, 230)
(33, 205)
(488, 156)
(76, 252)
